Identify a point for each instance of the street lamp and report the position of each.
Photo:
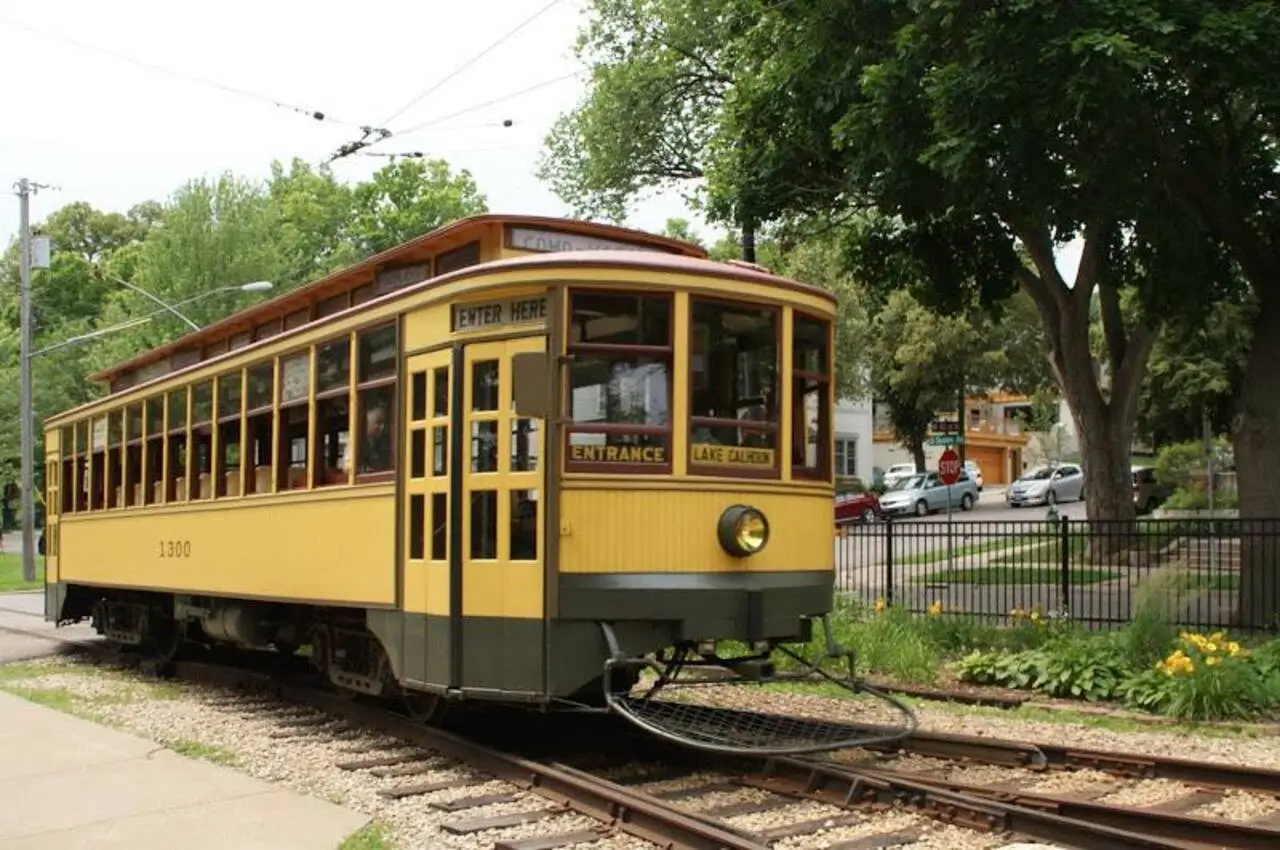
(28, 405)
(255, 286)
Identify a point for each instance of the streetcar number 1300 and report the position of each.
(175, 548)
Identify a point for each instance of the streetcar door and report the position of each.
(499, 536)
(425, 544)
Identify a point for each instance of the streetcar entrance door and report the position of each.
(498, 639)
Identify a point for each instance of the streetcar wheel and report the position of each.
(162, 636)
(425, 708)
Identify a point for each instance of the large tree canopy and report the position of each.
(985, 135)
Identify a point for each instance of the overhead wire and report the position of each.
(473, 60)
(315, 114)
(372, 136)
(441, 119)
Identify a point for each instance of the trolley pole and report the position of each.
(27, 408)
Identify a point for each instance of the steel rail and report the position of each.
(617, 808)
(824, 782)
(1041, 755)
(1220, 832)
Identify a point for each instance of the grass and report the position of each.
(1014, 574)
(372, 836)
(942, 553)
(204, 752)
(11, 573)
(1029, 713)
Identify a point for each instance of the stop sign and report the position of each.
(949, 467)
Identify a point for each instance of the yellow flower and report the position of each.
(880, 605)
(1035, 616)
(1017, 613)
(935, 608)
(1233, 648)
(1210, 647)
(1217, 636)
(1212, 660)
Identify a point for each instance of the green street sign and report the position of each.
(944, 440)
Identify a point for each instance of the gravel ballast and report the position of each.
(250, 735)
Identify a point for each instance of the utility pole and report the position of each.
(25, 188)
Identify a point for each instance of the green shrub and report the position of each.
(1176, 462)
(1197, 499)
(1151, 633)
(1004, 669)
(1089, 668)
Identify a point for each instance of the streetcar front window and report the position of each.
(811, 400)
(620, 382)
(733, 364)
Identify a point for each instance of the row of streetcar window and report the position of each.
(619, 407)
(217, 437)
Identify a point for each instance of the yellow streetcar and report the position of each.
(489, 463)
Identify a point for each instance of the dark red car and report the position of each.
(857, 507)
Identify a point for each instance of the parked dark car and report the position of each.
(857, 507)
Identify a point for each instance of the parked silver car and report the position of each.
(1047, 485)
(924, 493)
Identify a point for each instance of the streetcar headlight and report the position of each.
(742, 531)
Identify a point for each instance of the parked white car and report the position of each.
(975, 472)
(1047, 485)
(897, 472)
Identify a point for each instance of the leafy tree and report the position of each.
(1197, 367)
(406, 199)
(1147, 125)
(312, 211)
(657, 86)
(920, 362)
(977, 135)
(680, 228)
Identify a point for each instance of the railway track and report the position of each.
(692, 800)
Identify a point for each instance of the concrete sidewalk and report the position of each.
(71, 784)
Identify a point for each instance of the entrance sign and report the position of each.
(949, 467)
(526, 310)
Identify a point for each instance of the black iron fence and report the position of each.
(1202, 573)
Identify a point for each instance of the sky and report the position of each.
(184, 91)
(107, 131)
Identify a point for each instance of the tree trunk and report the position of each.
(1257, 449)
(917, 453)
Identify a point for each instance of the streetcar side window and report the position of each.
(733, 377)
(66, 486)
(258, 426)
(82, 466)
(201, 485)
(230, 440)
(620, 382)
(98, 465)
(295, 389)
(115, 466)
(133, 455)
(176, 485)
(376, 401)
(153, 416)
(811, 400)
(333, 411)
